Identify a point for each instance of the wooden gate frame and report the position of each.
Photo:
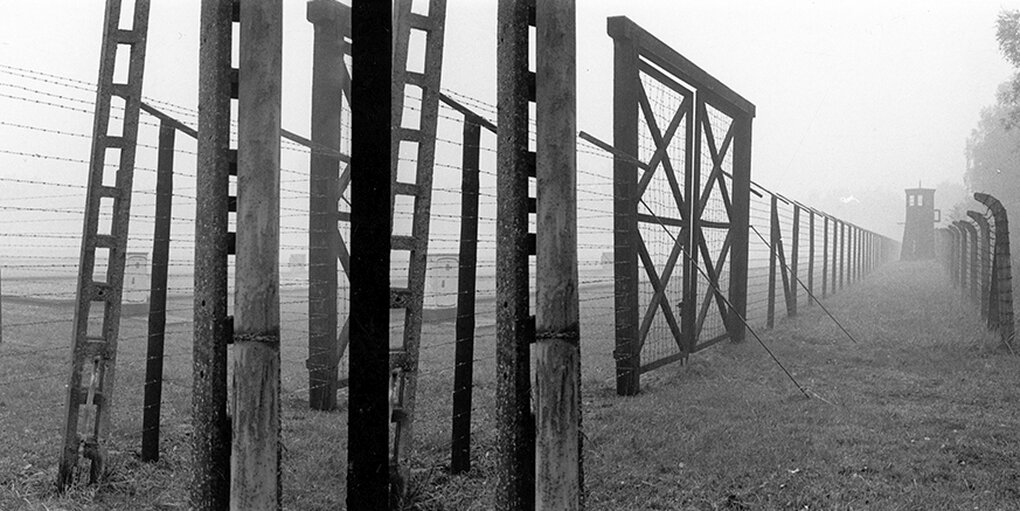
(637, 50)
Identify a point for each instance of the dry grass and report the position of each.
(920, 414)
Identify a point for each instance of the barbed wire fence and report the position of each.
(42, 201)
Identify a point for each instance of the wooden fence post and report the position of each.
(157, 294)
(740, 220)
(460, 460)
(368, 420)
(557, 330)
(625, 224)
(255, 458)
(328, 76)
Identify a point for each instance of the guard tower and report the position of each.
(919, 227)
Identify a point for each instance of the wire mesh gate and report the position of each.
(685, 216)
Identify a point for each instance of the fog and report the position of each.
(855, 102)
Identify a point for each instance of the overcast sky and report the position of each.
(849, 95)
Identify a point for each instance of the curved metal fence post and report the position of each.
(1002, 301)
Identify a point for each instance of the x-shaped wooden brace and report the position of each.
(717, 156)
(661, 156)
(662, 141)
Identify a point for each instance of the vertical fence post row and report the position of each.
(330, 21)
(157, 293)
(210, 487)
(557, 330)
(514, 433)
(984, 255)
(465, 329)
(625, 223)
(1001, 300)
(368, 419)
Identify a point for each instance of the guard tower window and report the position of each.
(920, 200)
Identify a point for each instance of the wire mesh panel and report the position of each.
(664, 113)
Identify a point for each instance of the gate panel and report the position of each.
(680, 230)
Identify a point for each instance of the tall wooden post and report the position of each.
(557, 329)
(625, 214)
(368, 419)
(210, 448)
(255, 457)
(328, 76)
(465, 329)
(157, 294)
(740, 220)
(514, 434)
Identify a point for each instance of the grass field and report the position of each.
(919, 413)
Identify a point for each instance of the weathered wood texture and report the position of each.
(557, 331)
(255, 456)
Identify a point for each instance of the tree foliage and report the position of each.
(993, 154)
(1007, 33)
(993, 148)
